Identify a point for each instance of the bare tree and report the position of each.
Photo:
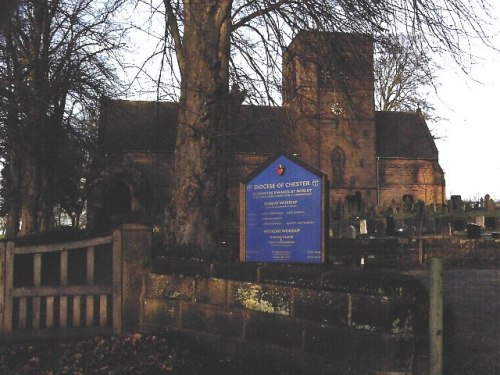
(216, 44)
(54, 67)
(403, 75)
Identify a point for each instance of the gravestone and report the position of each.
(479, 220)
(283, 210)
(456, 202)
(363, 230)
(350, 232)
(490, 222)
(473, 231)
(390, 226)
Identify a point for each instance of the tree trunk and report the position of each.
(13, 196)
(199, 193)
(12, 224)
(30, 193)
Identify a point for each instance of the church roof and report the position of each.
(404, 135)
(138, 125)
(151, 126)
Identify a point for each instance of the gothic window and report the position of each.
(120, 199)
(338, 166)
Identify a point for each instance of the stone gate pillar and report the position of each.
(136, 242)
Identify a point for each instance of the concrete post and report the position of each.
(136, 256)
(436, 317)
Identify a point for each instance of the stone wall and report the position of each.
(417, 177)
(321, 319)
(460, 252)
(403, 253)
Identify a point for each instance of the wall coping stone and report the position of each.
(380, 282)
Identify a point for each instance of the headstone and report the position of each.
(459, 225)
(389, 226)
(363, 229)
(456, 202)
(479, 220)
(473, 231)
(283, 209)
(350, 232)
(490, 222)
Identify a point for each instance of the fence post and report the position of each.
(3, 251)
(8, 285)
(436, 317)
(136, 241)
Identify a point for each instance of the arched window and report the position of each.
(338, 167)
(120, 199)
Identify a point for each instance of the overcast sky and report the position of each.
(470, 150)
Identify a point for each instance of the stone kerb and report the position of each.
(345, 318)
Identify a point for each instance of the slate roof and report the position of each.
(404, 135)
(151, 126)
(138, 125)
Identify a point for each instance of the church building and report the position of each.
(374, 160)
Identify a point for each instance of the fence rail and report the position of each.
(65, 309)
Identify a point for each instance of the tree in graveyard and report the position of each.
(403, 74)
(55, 64)
(226, 49)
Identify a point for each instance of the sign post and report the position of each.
(283, 213)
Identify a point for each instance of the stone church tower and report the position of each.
(328, 82)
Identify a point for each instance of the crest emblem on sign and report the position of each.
(280, 169)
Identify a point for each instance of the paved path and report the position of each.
(472, 322)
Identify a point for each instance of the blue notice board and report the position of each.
(283, 213)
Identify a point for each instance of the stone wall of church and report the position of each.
(422, 179)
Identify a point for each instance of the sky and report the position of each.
(469, 134)
(469, 151)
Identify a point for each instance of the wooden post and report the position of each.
(436, 317)
(8, 285)
(63, 300)
(3, 255)
(117, 281)
(421, 250)
(37, 282)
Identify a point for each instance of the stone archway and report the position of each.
(120, 199)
